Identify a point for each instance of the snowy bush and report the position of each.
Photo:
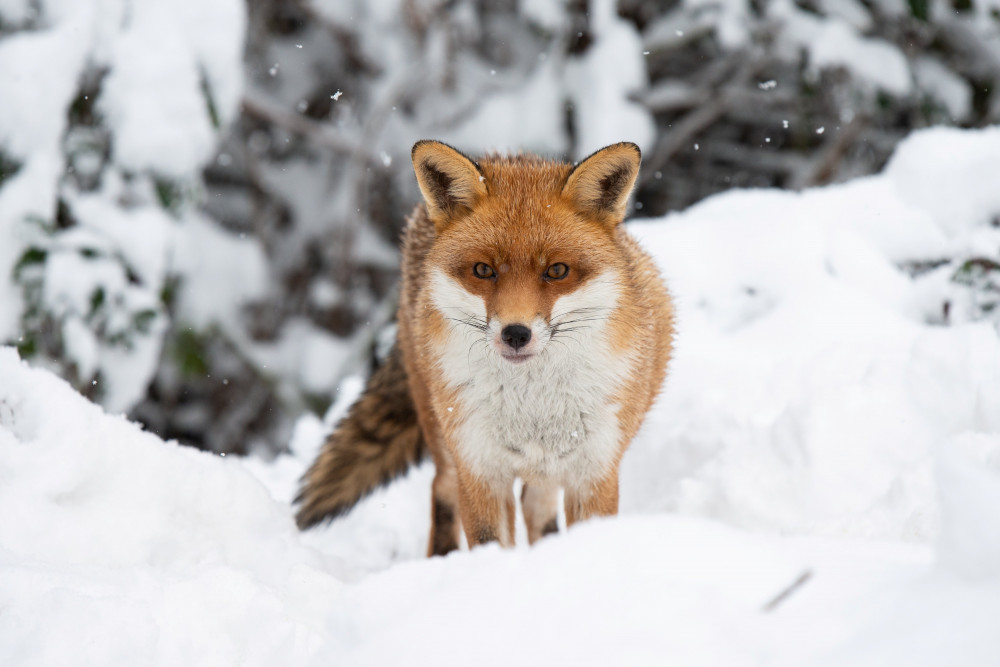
(796, 93)
(200, 206)
(110, 110)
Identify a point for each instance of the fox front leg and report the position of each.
(597, 499)
(487, 515)
(541, 509)
(444, 537)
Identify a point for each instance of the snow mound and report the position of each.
(969, 483)
(813, 383)
(130, 550)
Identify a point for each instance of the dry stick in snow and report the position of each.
(788, 591)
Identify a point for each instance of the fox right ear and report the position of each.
(449, 181)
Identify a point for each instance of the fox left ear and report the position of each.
(601, 184)
(449, 181)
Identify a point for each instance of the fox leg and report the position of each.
(599, 499)
(444, 507)
(487, 516)
(541, 507)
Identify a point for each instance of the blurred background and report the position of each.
(200, 199)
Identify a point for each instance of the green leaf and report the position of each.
(30, 257)
(143, 320)
(8, 167)
(97, 300)
(920, 9)
(168, 193)
(27, 347)
(190, 352)
(206, 92)
(975, 270)
(168, 294)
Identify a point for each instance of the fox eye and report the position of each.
(557, 271)
(483, 271)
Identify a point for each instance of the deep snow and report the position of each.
(820, 424)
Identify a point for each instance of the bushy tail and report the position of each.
(378, 440)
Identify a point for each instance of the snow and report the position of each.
(956, 191)
(527, 118)
(218, 52)
(728, 19)
(600, 86)
(304, 351)
(222, 271)
(818, 483)
(799, 327)
(834, 42)
(601, 81)
(144, 90)
(851, 11)
(133, 551)
(74, 282)
(34, 124)
(969, 476)
(14, 11)
(30, 130)
(139, 235)
(546, 13)
(937, 81)
(24, 196)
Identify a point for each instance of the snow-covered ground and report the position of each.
(818, 485)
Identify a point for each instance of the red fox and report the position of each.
(534, 334)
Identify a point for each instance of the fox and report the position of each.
(533, 335)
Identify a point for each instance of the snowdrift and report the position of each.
(819, 483)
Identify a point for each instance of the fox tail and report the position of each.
(378, 440)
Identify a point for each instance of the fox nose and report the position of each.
(516, 335)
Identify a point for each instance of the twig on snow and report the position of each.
(787, 592)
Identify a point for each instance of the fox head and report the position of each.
(527, 251)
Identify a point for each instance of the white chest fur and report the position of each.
(548, 420)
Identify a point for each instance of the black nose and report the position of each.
(516, 335)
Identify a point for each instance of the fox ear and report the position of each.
(600, 185)
(448, 180)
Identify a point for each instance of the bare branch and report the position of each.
(787, 592)
(685, 131)
(317, 133)
(824, 167)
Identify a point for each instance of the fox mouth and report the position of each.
(517, 357)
